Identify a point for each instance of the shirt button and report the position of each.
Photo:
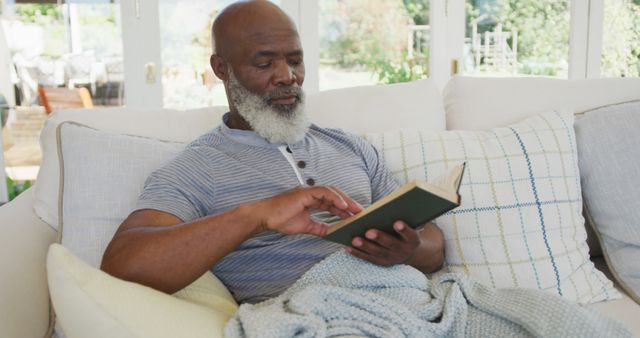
(310, 181)
(301, 164)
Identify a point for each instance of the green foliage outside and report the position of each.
(372, 35)
(31, 13)
(49, 17)
(15, 188)
(100, 32)
(543, 32)
(621, 40)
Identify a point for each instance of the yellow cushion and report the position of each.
(91, 303)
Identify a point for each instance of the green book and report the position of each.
(415, 203)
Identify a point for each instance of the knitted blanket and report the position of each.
(345, 296)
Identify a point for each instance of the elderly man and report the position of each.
(252, 198)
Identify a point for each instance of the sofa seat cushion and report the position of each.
(624, 310)
(608, 145)
(519, 223)
(91, 303)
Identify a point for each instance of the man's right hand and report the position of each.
(288, 212)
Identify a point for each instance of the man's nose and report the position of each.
(283, 74)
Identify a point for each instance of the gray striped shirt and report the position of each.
(228, 167)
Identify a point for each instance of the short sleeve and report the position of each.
(382, 180)
(171, 189)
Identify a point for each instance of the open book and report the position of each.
(415, 203)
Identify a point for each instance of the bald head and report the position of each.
(248, 22)
(258, 53)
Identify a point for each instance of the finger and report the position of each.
(407, 234)
(370, 247)
(317, 228)
(322, 197)
(328, 206)
(367, 257)
(384, 239)
(352, 206)
(332, 200)
(339, 212)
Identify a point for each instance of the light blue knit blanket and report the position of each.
(343, 296)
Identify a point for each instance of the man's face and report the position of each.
(269, 62)
(264, 79)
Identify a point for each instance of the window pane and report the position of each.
(517, 37)
(187, 79)
(365, 42)
(60, 48)
(621, 38)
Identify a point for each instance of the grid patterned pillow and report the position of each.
(520, 222)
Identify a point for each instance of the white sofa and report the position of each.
(467, 103)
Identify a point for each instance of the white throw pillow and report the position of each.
(166, 124)
(91, 303)
(520, 222)
(103, 174)
(608, 142)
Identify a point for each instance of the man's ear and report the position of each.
(219, 66)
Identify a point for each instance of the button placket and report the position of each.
(302, 162)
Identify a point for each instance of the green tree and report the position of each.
(373, 35)
(418, 10)
(51, 19)
(359, 31)
(542, 27)
(621, 40)
(14, 189)
(543, 33)
(32, 13)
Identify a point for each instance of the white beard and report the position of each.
(276, 123)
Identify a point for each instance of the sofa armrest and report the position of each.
(24, 296)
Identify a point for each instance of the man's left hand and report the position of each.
(381, 248)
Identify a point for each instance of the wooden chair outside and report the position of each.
(56, 98)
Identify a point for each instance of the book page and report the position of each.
(450, 181)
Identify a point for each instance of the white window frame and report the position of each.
(447, 20)
(142, 55)
(585, 40)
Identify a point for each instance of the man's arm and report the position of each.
(159, 250)
(422, 248)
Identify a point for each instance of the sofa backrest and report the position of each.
(359, 110)
(374, 109)
(483, 103)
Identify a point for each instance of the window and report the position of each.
(366, 42)
(185, 30)
(69, 45)
(517, 37)
(621, 38)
